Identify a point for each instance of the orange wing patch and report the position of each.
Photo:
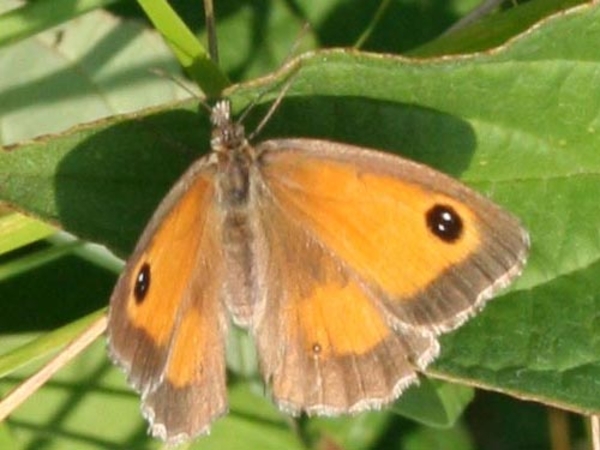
(177, 239)
(339, 321)
(188, 349)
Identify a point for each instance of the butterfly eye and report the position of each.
(142, 283)
(445, 223)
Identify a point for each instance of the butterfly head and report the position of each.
(226, 134)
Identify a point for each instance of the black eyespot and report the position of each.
(316, 348)
(445, 223)
(142, 283)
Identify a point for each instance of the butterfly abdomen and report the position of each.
(234, 194)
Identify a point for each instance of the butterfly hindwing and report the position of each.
(325, 344)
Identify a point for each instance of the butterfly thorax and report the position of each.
(234, 156)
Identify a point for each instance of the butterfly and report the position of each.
(344, 263)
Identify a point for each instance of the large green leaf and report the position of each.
(519, 123)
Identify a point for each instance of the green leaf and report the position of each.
(519, 123)
(95, 66)
(434, 403)
(33, 17)
(493, 30)
(456, 438)
(16, 231)
(45, 345)
(348, 432)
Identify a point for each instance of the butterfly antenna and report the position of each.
(299, 38)
(271, 110)
(182, 85)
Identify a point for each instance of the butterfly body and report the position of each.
(344, 263)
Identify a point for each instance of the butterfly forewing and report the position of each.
(428, 247)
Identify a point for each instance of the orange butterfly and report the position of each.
(344, 263)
